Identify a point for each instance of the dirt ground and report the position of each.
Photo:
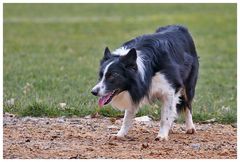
(81, 138)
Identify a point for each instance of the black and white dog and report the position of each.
(163, 66)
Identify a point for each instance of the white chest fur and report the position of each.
(122, 101)
(160, 89)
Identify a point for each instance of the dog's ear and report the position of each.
(106, 56)
(129, 60)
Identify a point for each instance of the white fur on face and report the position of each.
(123, 51)
(101, 85)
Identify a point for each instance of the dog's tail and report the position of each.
(183, 102)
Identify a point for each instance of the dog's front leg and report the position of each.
(168, 115)
(127, 122)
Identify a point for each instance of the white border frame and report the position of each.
(116, 1)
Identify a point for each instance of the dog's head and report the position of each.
(115, 75)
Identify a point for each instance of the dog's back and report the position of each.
(171, 46)
(171, 39)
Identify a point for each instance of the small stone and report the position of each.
(9, 115)
(118, 122)
(10, 102)
(30, 119)
(77, 156)
(27, 88)
(95, 115)
(195, 146)
(62, 105)
(203, 127)
(226, 109)
(130, 138)
(88, 117)
(145, 145)
(213, 120)
(112, 143)
(143, 119)
(113, 120)
(90, 149)
(118, 138)
(112, 127)
(54, 136)
(61, 120)
(225, 152)
(75, 121)
(234, 125)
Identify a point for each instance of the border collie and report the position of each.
(159, 66)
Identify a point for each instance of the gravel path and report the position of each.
(29, 137)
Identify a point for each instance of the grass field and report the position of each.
(52, 52)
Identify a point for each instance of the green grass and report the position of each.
(52, 52)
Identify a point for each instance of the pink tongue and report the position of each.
(103, 100)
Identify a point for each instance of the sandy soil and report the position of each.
(87, 137)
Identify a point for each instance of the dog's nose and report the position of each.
(95, 91)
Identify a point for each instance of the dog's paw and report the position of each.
(116, 137)
(161, 138)
(191, 131)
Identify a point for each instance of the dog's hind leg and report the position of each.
(185, 106)
(190, 91)
(127, 122)
(189, 122)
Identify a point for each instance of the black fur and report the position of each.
(170, 50)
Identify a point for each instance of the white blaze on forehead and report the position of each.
(106, 69)
(123, 51)
(101, 85)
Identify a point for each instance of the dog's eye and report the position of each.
(111, 76)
